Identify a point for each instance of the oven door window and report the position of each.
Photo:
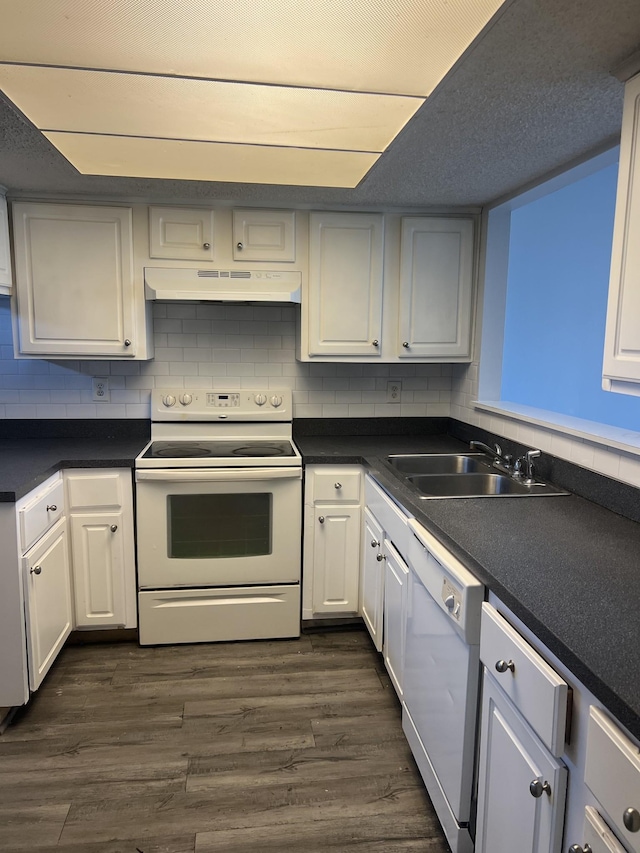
(219, 526)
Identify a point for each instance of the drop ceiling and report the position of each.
(532, 93)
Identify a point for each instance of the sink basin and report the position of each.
(439, 463)
(475, 485)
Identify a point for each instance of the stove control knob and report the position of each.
(276, 401)
(169, 400)
(186, 399)
(260, 399)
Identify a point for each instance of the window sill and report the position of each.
(604, 435)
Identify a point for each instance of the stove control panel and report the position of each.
(203, 405)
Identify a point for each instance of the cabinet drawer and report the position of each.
(533, 686)
(336, 484)
(41, 513)
(94, 491)
(612, 772)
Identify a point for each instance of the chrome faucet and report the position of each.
(480, 445)
(523, 467)
(499, 460)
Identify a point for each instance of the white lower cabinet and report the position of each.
(335, 554)
(102, 547)
(521, 786)
(331, 560)
(372, 578)
(396, 575)
(47, 600)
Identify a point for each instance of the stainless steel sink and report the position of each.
(478, 486)
(440, 463)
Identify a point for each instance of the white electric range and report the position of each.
(218, 510)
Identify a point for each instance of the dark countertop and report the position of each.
(568, 568)
(25, 463)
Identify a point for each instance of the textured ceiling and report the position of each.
(533, 95)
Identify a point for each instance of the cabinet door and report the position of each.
(264, 235)
(344, 302)
(47, 601)
(621, 370)
(396, 574)
(99, 582)
(436, 285)
(512, 759)
(5, 256)
(181, 233)
(372, 578)
(335, 559)
(74, 280)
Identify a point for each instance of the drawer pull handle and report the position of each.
(337, 485)
(113, 528)
(539, 788)
(631, 819)
(375, 543)
(52, 508)
(36, 570)
(503, 666)
(576, 848)
(321, 519)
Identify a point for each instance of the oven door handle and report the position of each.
(192, 475)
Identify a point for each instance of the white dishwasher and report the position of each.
(441, 675)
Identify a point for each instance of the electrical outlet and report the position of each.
(100, 388)
(394, 390)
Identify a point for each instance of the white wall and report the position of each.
(203, 346)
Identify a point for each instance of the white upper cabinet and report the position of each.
(342, 312)
(264, 235)
(77, 294)
(621, 368)
(181, 233)
(5, 254)
(436, 282)
(387, 288)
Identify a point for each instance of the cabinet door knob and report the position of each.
(206, 246)
(405, 344)
(113, 528)
(127, 342)
(538, 788)
(239, 246)
(375, 543)
(576, 848)
(337, 485)
(631, 819)
(36, 570)
(380, 557)
(375, 343)
(321, 519)
(503, 666)
(52, 508)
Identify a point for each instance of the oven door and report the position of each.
(218, 527)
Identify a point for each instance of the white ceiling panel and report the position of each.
(178, 108)
(393, 46)
(210, 161)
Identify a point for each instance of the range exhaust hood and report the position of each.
(193, 285)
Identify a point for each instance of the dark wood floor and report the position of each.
(290, 745)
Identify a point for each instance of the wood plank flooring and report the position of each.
(251, 747)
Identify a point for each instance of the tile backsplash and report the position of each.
(226, 346)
